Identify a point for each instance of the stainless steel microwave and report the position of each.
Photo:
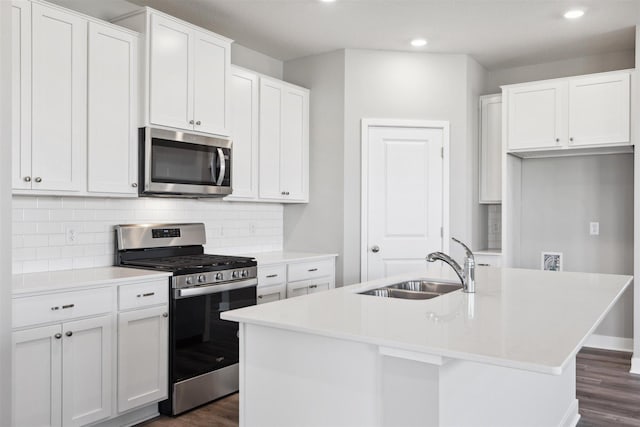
(180, 164)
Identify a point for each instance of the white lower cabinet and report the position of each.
(62, 373)
(271, 293)
(142, 357)
(294, 278)
(305, 287)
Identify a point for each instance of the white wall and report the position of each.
(256, 61)
(39, 225)
(318, 226)
(383, 84)
(560, 197)
(5, 211)
(564, 68)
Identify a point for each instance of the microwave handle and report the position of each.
(223, 167)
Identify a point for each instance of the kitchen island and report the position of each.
(504, 356)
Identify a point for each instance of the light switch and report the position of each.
(594, 228)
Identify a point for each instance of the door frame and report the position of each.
(364, 180)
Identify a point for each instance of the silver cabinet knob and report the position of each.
(27, 179)
(190, 122)
(557, 139)
(134, 185)
(165, 314)
(58, 335)
(375, 249)
(571, 139)
(38, 179)
(198, 123)
(69, 333)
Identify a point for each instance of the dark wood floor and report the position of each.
(609, 396)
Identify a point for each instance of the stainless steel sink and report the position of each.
(414, 289)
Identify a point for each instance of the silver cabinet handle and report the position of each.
(27, 179)
(38, 179)
(198, 123)
(165, 314)
(190, 122)
(69, 333)
(58, 336)
(259, 296)
(148, 294)
(375, 249)
(270, 276)
(223, 166)
(134, 185)
(68, 306)
(313, 286)
(312, 269)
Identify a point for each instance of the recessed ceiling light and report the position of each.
(574, 13)
(418, 42)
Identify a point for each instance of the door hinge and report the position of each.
(442, 152)
(441, 231)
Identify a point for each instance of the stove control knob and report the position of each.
(244, 273)
(201, 278)
(234, 275)
(189, 280)
(218, 276)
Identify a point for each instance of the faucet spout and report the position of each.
(466, 275)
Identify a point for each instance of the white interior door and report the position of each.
(405, 181)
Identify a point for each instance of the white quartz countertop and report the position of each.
(278, 257)
(525, 319)
(55, 281)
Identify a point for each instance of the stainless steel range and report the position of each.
(203, 349)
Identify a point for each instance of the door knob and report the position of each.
(27, 179)
(38, 179)
(375, 249)
(69, 333)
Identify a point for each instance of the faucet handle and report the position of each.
(468, 251)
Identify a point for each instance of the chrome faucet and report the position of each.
(468, 275)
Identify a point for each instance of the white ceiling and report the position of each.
(497, 33)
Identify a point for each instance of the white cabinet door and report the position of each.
(294, 157)
(491, 149)
(212, 59)
(37, 377)
(320, 285)
(270, 138)
(599, 110)
(295, 289)
(59, 95)
(267, 294)
(21, 94)
(171, 70)
(536, 116)
(244, 134)
(86, 367)
(112, 136)
(142, 357)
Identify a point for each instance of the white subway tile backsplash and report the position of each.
(40, 225)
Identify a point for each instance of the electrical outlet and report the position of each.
(71, 235)
(594, 228)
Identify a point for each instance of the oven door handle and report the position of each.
(213, 289)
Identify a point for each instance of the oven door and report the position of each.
(201, 341)
(178, 163)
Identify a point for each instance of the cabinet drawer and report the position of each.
(61, 306)
(271, 275)
(488, 260)
(310, 269)
(143, 294)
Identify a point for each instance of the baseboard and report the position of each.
(607, 342)
(572, 415)
(132, 418)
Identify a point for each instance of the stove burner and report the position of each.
(186, 264)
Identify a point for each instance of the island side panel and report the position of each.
(291, 379)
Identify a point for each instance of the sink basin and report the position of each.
(426, 286)
(414, 289)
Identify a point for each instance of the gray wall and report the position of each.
(564, 68)
(318, 226)
(560, 196)
(256, 61)
(5, 211)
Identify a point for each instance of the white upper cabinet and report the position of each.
(490, 149)
(112, 137)
(599, 110)
(59, 96)
(244, 134)
(578, 112)
(284, 141)
(187, 75)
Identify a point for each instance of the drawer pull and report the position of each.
(69, 333)
(68, 306)
(313, 269)
(55, 308)
(313, 286)
(259, 296)
(148, 294)
(58, 336)
(484, 265)
(271, 276)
